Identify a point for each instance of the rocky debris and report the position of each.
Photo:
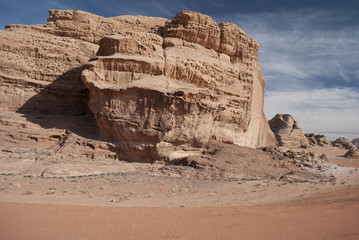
(324, 157)
(355, 141)
(287, 131)
(28, 148)
(344, 143)
(317, 139)
(352, 154)
(227, 161)
(302, 159)
(64, 153)
(163, 96)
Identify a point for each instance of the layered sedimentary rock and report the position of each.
(158, 89)
(160, 95)
(355, 141)
(352, 153)
(40, 65)
(287, 131)
(317, 139)
(344, 143)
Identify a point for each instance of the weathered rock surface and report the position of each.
(287, 131)
(317, 139)
(40, 65)
(352, 153)
(162, 96)
(355, 141)
(344, 143)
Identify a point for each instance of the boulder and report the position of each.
(344, 143)
(352, 154)
(162, 96)
(287, 131)
(317, 139)
(355, 141)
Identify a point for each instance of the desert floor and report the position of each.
(147, 206)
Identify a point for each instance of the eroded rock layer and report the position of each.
(40, 65)
(344, 143)
(317, 139)
(287, 131)
(355, 141)
(162, 95)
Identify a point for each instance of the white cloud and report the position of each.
(332, 111)
(305, 48)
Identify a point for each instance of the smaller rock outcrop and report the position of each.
(355, 141)
(287, 131)
(352, 153)
(317, 139)
(344, 143)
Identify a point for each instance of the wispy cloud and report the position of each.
(305, 48)
(162, 8)
(310, 63)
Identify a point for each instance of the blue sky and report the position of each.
(309, 49)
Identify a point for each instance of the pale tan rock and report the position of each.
(92, 28)
(158, 98)
(287, 131)
(157, 91)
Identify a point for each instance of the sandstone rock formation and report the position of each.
(164, 95)
(317, 139)
(352, 153)
(355, 141)
(40, 65)
(287, 131)
(158, 88)
(344, 143)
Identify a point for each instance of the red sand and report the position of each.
(338, 220)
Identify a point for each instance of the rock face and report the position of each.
(287, 131)
(158, 89)
(158, 95)
(40, 65)
(317, 139)
(352, 154)
(355, 141)
(344, 143)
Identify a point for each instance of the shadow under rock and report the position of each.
(63, 105)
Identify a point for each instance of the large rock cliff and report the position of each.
(157, 96)
(159, 89)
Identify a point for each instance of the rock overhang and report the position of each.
(157, 94)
